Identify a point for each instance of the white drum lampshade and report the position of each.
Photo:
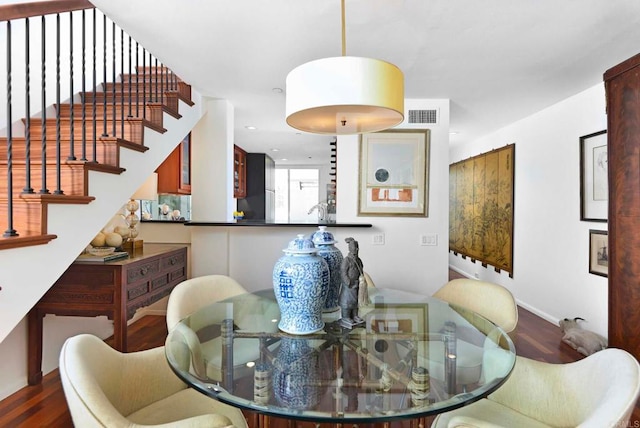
(345, 95)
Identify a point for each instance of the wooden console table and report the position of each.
(115, 289)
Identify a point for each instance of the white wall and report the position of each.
(402, 262)
(551, 245)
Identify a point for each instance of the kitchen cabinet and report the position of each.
(259, 203)
(239, 172)
(174, 174)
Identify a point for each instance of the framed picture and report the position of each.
(594, 186)
(394, 173)
(598, 252)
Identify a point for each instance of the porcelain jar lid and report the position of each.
(301, 245)
(323, 237)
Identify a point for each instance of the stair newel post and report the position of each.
(43, 189)
(58, 190)
(10, 230)
(83, 100)
(113, 79)
(72, 155)
(95, 86)
(27, 124)
(130, 77)
(104, 75)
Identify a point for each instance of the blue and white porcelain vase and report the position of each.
(300, 284)
(324, 242)
(296, 374)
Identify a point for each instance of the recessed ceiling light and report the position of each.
(277, 90)
(284, 159)
(453, 133)
(251, 127)
(275, 150)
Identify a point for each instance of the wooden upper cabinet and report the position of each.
(174, 174)
(239, 173)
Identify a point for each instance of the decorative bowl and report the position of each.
(101, 251)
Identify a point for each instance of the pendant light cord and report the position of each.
(344, 38)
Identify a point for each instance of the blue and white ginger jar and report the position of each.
(324, 242)
(300, 284)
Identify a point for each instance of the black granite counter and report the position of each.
(262, 223)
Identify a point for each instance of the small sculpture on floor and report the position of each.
(584, 341)
(351, 271)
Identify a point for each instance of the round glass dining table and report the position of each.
(413, 356)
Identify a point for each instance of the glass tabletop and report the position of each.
(414, 356)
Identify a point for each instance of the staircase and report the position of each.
(69, 170)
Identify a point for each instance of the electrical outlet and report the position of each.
(429, 239)
(378, 239)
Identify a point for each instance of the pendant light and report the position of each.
(345, 95)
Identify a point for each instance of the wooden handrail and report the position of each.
(25, 10)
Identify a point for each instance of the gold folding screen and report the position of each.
(481, 192)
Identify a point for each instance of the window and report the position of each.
(297, 191)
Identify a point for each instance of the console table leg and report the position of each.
(34, 364)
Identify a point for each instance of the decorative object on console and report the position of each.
(345, 94)
(149, 192)
(351, 275)
(324, 242)
(584, 341)
(301, 283)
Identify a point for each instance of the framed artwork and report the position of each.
(481, 208)
(599, 252)
(394, 173)
(594, 186)
(397, 318)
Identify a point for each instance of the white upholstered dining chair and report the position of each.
(599, 391)
(194, 294)
(494, 303)
(106, 388)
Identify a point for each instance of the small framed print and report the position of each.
(599, 252)
(594, 186)
(394, 173)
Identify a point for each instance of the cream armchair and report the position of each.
(599, 391)
(471, 297)
(191, 295)
(492, 301)
(107, 388)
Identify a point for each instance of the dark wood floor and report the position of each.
(44, 405)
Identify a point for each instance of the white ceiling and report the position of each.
(496, 60)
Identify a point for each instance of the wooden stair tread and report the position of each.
(25, 240)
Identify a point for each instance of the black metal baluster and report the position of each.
(43, 189)
(83, 100)
(155, 69)
(113, 79)
(27, 125)
(104, 75)
(144, 85)
(58, 190)
(72, 155)
(95, 85)
(161, 83)
(122, 81)
(130, 77)
(10, 231)
(137, 86)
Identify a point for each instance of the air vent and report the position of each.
(423, 116)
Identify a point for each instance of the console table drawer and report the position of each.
(143, 271)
